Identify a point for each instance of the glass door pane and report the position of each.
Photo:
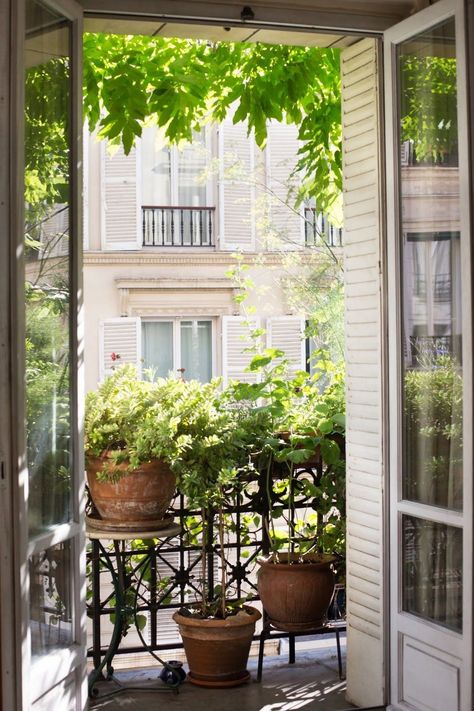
(48, 266)
(431, 283)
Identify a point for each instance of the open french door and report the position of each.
(47, 357)
(430, 336)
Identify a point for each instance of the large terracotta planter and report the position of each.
(295, 595)
(141, 495)
(218, 650)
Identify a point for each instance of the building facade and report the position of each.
(163, 226)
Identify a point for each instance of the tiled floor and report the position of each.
(312, 684)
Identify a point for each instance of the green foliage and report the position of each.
(181, 422)
(47, 377)
(183, 84)
(429, 107)
(433, 424)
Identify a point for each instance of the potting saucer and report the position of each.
(243, 678)
(107, 524)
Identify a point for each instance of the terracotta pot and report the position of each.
(295, 595)
(141, 495)
(218, 650)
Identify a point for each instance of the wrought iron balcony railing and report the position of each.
(318, 229)
(178, 226)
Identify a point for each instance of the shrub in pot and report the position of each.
(216, 633)
(134, 431)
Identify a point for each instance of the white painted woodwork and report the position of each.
(286, 225)
(86, 137)
(431, 665)
(236, 186)
(122, 337)
(287, 334)
(362, 236)
(121, 201)
(235, 342)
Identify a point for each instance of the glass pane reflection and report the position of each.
(432, 571)
(47, 252)
(431, 283)
(51, 599)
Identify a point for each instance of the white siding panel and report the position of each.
(362, 223)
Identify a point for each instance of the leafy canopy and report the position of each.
(182, 84)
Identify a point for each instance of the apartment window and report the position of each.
(172, 175)
(178, 346)
(177, 209)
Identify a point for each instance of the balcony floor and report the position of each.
(311, 683)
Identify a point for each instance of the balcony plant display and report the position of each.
(296, 581)
(130, 441)
(216, 633)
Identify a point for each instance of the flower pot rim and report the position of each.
(311, 561)
(238, 620)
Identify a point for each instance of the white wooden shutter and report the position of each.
(122, 337)
(54, 234)
(287, 334)
(121, 199)
(364, 372)
(235, 341)
(236, 187)
(286, 225)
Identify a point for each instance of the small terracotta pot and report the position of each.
(218, 650)
(143, 494)
(295, 595)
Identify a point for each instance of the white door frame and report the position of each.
(33, 680)
(452, 644)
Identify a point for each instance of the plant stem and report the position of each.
(223, 565)
(203, 560)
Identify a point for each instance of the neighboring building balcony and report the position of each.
(165, 226)
(318, 229)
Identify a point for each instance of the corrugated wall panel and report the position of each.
(362, 228)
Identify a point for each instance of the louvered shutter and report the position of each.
(55, 232)
(121, 208)
(286, 224)
(235, 341)
(363, 225)
(120, 337)
(236, 187)
(287, 334)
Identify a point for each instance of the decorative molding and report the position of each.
(211, 259)
(159, 283)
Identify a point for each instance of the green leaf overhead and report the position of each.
(182, 84)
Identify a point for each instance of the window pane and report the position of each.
(192, 160)
(432, 571)
(51, 598)
(431, 282)
(157, 347)
(156, 168)
(47, 254)
(196, 350)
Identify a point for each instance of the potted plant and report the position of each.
(296, 581)
(130, 441)
(216, 633)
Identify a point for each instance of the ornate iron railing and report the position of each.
(164, 575)
(318, 229)
(165, 226)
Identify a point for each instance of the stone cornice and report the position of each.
(206, 283)
(92, 258)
